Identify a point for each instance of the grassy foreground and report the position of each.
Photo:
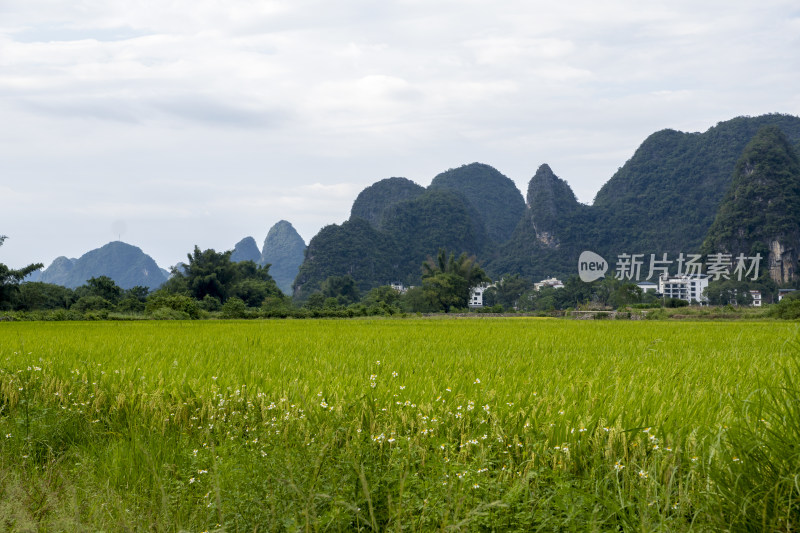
(495, 424)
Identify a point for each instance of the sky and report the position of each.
(174, 123)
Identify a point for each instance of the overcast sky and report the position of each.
(172, 123)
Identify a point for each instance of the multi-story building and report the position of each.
(689, 288)
(399, 287)
(476, 295)
(551, 282)
(756, 297)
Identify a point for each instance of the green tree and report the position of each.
(211, 277)
(139, 293)
(171, 305)
(447, 279)
(342, 288)
(418, 300)
(615, 293)
(133, 300)
(383, 300)
(10, 279)
(509, 289)
(91, 302)
(38, 295)
(462, 266)
(209, 272)
(447, 291)
(234, 307)
(315, 301)
(102, 286)
(729, 292)
(252, 291)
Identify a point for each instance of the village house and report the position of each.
(550, 282)
(686, 287)
(756, 297)
(399, 287)
(476, 295)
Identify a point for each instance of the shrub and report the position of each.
(176, 302)
(234, 308)
(675, 302)
(91, 303)
(210, 303)
(130, 305)
(787, 309)
(166, 313)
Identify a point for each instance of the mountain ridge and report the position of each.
(662, 200)
(126, 264)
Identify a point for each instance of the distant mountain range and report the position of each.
(732, 189)
(663, 200)
(129, 266)
(283, 250)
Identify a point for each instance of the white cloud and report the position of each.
(259, 110)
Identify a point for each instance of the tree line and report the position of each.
(210, 285)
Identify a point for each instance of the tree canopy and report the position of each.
(212, 276)
(447, 280)
(11, 278)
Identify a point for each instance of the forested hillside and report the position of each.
(395, 225)
(666, 196)
(664, 199)
(761, 210)
(375, 199)
(735, 187)
(494, 197)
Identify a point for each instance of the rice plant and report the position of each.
(405, 424)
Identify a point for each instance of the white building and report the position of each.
(688, 288)
(476, 295)
(756, 296)
(551, 282)
(648, 286)
(399, 287)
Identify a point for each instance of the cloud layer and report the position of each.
(202, 122)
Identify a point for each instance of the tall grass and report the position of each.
(512, 424)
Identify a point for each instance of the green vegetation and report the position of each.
(788, 308)
(355, 248)
(664, 199)
(447, 280)
(763, 202)
(11, 278)
(494, 197)
(507, 292)
(552, 233)
(395, 224)
(246, 250)
(551, 202)
(433, 220)
(212, 275)
(373, 201)
(486, 424)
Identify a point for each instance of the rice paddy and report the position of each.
(402, 424)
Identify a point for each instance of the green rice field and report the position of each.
(515, 424)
